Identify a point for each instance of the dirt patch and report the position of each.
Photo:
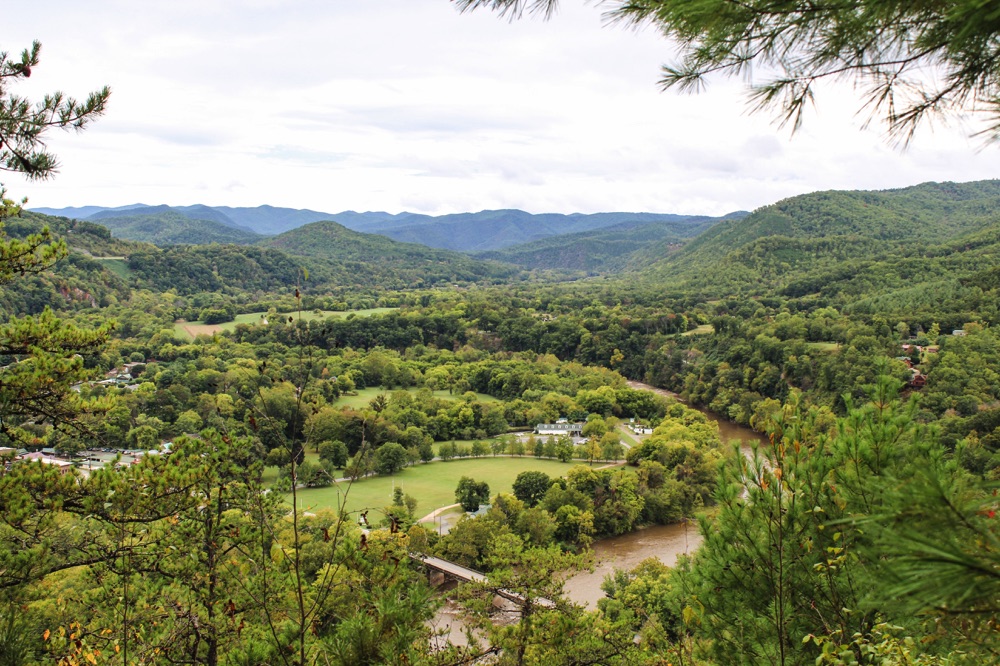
(194, 330)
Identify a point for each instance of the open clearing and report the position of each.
(432, 484)
(116, 265)
(191, 329)
(362, 397)
(704, 329)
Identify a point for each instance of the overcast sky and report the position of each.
(408, 105)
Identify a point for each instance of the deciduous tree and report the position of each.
(530, 486)
(471, 493)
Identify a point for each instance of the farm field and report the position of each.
(189, 330)
(432, 484)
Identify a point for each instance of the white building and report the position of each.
(563, 428)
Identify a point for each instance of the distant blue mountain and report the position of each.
(498, 229)
(81, 212)
(484, 231)
(197, 212)
(271, 220)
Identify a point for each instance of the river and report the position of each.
(728, 430)
(665, 542)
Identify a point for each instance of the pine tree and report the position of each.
(883, 46)
(23, 125)
(41, 355)
(790, 554)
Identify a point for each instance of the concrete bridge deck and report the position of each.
(456, 571)
(465, 574)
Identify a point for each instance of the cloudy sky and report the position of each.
(408, 105)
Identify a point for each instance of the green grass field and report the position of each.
(626, 435)
(364, 396)
(824, 346)
(190, 329)
(432, 484)
(116, 265)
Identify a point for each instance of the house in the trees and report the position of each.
(63, 466)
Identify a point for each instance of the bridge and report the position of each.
(449, 569)
(467, 575)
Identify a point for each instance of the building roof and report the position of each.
(565, 427)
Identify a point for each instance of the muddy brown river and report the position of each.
(664, 542)
(728, 430)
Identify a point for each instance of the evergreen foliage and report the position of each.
(880, 45)
(24, 124)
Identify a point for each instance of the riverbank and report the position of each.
(664, 542)
(728, 430)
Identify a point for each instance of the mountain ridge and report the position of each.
(815, 233)
(481, 231)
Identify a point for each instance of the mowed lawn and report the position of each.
(362, 397)
(116, 265)
(190, 329)
(432, 484)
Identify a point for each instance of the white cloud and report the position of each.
(408, 105)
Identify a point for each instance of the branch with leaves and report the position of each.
(22, 124)
(911, 60)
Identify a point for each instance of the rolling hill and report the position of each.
(606, 250)
(837, 245)
(168, 227)
(499, 229)
(102, 268)
(334, 248)
(465, 232)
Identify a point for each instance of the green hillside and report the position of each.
(605, 250)
(81, 281)
(492, 230)
(369, 259)
(818, 241)
(172, 228)
(101, 268)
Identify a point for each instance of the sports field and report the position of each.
(432, 484)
